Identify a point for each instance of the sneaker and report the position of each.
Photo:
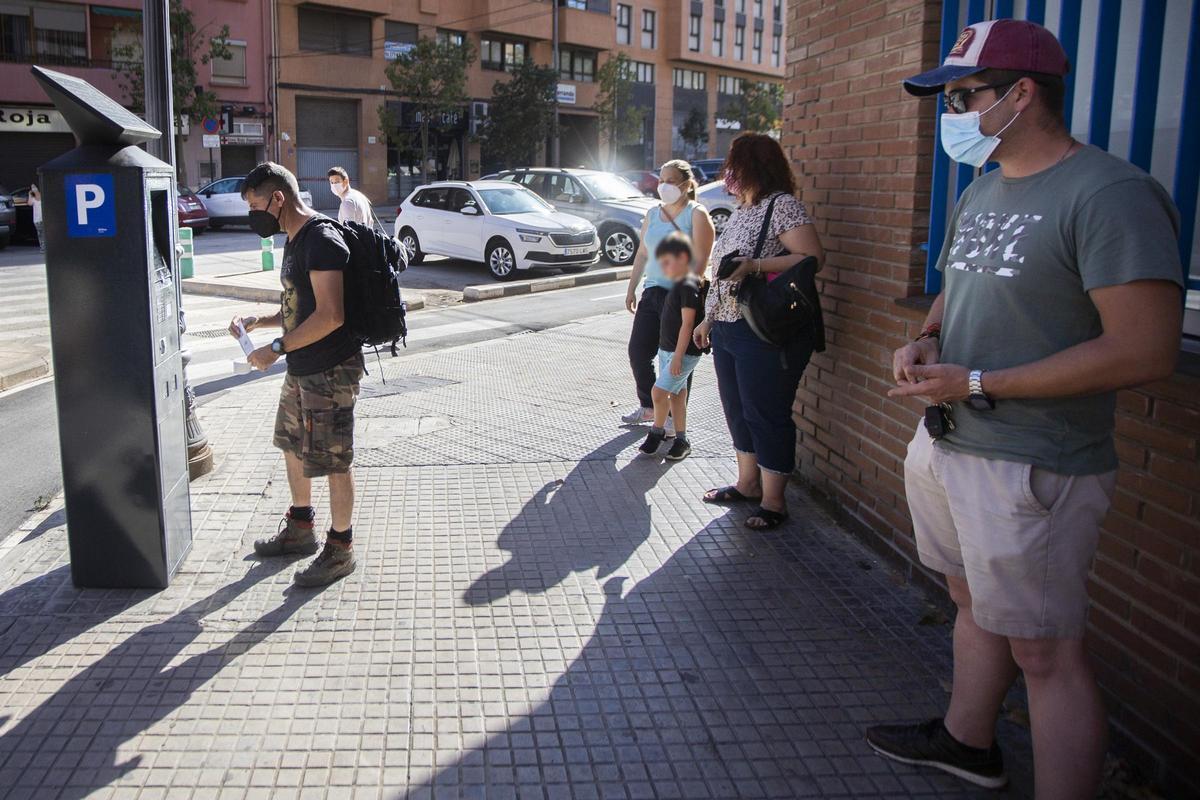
(334, 562)
(652, 443)
(295, 537)
(639, 416)
(929, 744)
(680, 450)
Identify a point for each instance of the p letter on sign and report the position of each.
(91, 206)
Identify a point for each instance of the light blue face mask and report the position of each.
(964, 142)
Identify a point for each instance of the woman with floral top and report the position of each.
(757, 381)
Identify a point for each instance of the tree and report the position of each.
(694, 132)
(759, 108)
(432, 76)
(521, 114)
(189, 44)
(620, 121)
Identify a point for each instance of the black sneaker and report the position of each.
(929, 744)
(652, 443)
(680, 450)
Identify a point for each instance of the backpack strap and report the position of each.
(766, 225)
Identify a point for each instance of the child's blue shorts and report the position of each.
(668, 382)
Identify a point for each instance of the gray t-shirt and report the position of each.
(1018, 261)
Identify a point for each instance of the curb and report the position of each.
(254, 294)
(11, 380)
(491, 291)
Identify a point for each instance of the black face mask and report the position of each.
(264, 223)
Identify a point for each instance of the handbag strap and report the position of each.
(662, 211)
(766, 226)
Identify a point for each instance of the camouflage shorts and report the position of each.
(315, 421)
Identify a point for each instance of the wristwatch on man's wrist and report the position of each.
(277, 347)
(975, 394)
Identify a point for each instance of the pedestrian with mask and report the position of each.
(314, 425)
(679, 212)
(1062, 283)
(355, 207)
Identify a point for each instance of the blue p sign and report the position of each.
(91, 206)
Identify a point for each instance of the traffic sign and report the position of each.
(212, 140)
(211, 125)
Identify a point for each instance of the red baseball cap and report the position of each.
(1010, 44)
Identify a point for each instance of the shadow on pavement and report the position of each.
(128, 690)
(562, 530)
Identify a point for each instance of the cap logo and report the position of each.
(964, 41)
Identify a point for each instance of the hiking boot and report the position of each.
(295, 537)
(929, 744)
(680, 450)
(334, 562)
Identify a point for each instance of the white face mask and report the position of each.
(339, 189)
(669, 192)
(964, 142)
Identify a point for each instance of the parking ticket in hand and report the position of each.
(241, 367)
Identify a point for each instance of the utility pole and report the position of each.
(554, 152)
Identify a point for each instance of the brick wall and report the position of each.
(862, 149)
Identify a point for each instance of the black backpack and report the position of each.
(375, 311)
(786, 309)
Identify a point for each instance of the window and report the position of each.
(775, 51)
(577, 65)
(563, 189)
(739, 43)
(688, 78)
(580, 4)
(741, 6)
(758, 47)
(499, 55)
(48, 33)
(458, 199)
(643, 72)
(624, 24)
(456, 38)
(332, 32)
(778, 10)
(398, 39)
(647, 28)
(694, 33)
(432, 198)
(230, 71)
(718, 43)
(727, 84)
(758, 8)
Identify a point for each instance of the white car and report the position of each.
(223, 199)
(505, 226)
(720, 203)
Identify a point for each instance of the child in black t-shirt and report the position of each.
(677, 354)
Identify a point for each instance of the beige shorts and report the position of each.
(1022, 536)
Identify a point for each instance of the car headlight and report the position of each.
(527, 235)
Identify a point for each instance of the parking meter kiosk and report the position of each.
(109, 216)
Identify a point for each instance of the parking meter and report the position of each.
(112, 280)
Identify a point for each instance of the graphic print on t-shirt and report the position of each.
(288, 306)
(989, 243)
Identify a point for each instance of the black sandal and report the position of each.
(727, 495)
(771, 519)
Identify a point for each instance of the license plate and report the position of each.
(575, 251)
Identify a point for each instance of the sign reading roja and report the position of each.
(32, 120)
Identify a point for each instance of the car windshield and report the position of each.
(513, 201)
(606, 186)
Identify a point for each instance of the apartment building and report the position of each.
(81, 38)
(331, 84)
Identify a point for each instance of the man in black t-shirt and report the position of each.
(314, 425)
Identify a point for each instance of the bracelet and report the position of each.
(931, 331)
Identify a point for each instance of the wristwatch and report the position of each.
(975, 394)
(277, 347)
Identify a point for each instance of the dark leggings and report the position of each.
(643, 341)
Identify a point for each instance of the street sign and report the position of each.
(212, 140)
(91, 207)
(566, 93)
(210, 125)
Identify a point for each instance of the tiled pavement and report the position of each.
(536, 614)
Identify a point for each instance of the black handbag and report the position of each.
(786, 309)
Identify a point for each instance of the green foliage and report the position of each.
(694, 132)
(619, 120)
(759, 109)
(432, 76)
(520, 114)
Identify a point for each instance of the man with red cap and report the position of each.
(1062, 283)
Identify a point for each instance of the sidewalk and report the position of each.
(535, 614)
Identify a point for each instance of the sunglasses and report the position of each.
(955, 100)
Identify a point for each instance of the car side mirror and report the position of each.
(470, 211)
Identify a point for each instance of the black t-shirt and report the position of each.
(684, 294)
(318, 247)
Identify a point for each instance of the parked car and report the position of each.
(645, 180)
(708, 169)
(608, 201)
(720, 203)
(507, 227)
(192, 213)
(8, 218)
(222, 199)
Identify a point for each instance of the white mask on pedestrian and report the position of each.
(669, 192)
(339, 189)
(964, 142)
